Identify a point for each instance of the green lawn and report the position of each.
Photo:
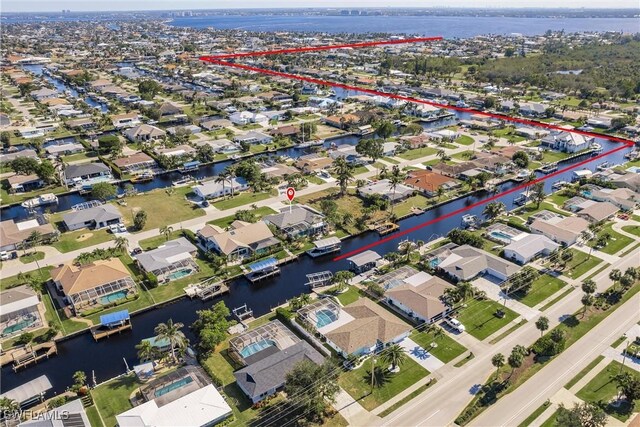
(551, 421)
(176, 287)
(69, 326)
(543, 287)
(241, 200)
(633, 229)
(31, 257)
(143, 300)
(358, 382)
(417, 392)
(616, 243)
(154, 242)
(314, 179)
(258, 213)
(480, 320)
(553, 156)
(162, 208)
(112, 398)
(447, 348)
(418, 153)
(583, 372)
(603, 388)
(352, 294)
(580, 264)
(74, 240)
(463, 155)
(390, 160)
(94, 416)
(10, 198)
(404, 207)
(465, 140)
(534, 415)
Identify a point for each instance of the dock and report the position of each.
(386, 228)
(111, 324)
(33, 354)
(265, 268)
(243, 314)
(206, 290)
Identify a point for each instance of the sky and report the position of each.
(101, 5)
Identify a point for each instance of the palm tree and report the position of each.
(538, 193)
(171, 332)
(498, 362)
(146, 350)
(222, 179)
(344, 171)
(120, 243)
(34, 238)
(231, 174)
(465, 290)
(396, 177)
(395, 356)
(615, 275)
(542, 324)
(166, 230)
(493, 210)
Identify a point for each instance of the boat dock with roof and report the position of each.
(112, 323)
(325, 246)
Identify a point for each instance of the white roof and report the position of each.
(418, 279)
(196, 409)
(531, 245)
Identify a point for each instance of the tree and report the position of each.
(493, 210)
(146, 351)
(498, 362)
(148, 89)
(344, 173)
(372, 148)
(395, 355)
(341, 279)
(515, 359)
(589, 286)
(166, 231)
(538, 195)
(581, 415)
(615, 275)
(79, 380)
(395, 178)
(520, 159)
(120, 243)
(542, 324)
(103, 191)
(315, 396)
(587, 301)
(140, 220)
(385, 129)
(205, 153)
(211, 326)
(109, 143)
(629, 385)
(171, 332)
(46, 171)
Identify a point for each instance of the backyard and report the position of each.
(580, 264)
(112, 398)
(616, 241)
(446, 350)
(543, 287)
(480, 319)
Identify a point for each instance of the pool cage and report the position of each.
(396, 277)
(90, 297)
(309, 313)
(163, 274)
(198, 376)
(273, 331)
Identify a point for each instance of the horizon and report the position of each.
(15, 6)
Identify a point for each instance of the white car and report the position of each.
(454, 324)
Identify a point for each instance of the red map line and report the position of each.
(215, 60)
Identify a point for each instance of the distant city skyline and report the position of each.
(133, 5)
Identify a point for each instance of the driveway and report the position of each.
(421, 356)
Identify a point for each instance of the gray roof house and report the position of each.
(74, 174)
(96, 217)
(528, 247)
(171, 261)
(384, 189)
(299, 220)
(466, 262)
(264, 377)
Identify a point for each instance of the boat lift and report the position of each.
(317, 280)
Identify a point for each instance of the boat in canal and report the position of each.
(469, 220)
(183, 181)
(309, 144)
(521, 200)
(41, 200)
(558, 185)
(548, 168)
(325, 246)
(143, 177)
(604, 166)
(596, 148)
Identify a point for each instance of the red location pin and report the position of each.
(291, 193)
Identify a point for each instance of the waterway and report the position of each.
(106, 358)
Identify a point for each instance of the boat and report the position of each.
(548, 168)
(558, 185)
(469, 220)
(604, 165)
(41, 200)
(522, 175)
(597, 148)
(309, 144)
(143, 177)
(521, 200)
(324, 247)
(183, 181)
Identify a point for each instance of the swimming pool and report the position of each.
(500, 235)
(24, 323)
(179, 274)
(325, 317)
(113, 297)
(434, 262)
(256, 347)
(173, 386)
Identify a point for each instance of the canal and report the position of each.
(106, 358)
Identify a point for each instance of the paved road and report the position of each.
(441, 404)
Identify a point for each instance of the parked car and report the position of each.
(454, 324)
(136, 251)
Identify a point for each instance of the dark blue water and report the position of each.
(446, 26)
(106, 357)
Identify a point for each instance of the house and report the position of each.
(214, 124)
(171, 261)
(297, 221)
(63, 148)
(384, 189)
(20, 311)
(101, 282)
(86, 173)
(569, 142)
(528, 247)
(144, 133)
(598, 211)
(365, 329)
(242, 118)
(135, 162)
(312, 163)
(212, 189)
(430, 183)
(421, 301)
(14, 235)
(221, 145)
(242, 240)
(94, 218)
(285, 131)
(253, 137)
(184, 398)
(81, 124)
(43, 94)
(21, 183)
(125, 120)
(466, 262)
(563, 230)
(178, 150)
(169, 109)
(71, 413)
(628, 180)
(623, 198)
(10, 156)
(266, 376)
(533, 109)
(341, 122)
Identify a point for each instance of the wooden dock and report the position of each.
(386, 228)
(100, 331)
(33, 354)
(206, 291)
